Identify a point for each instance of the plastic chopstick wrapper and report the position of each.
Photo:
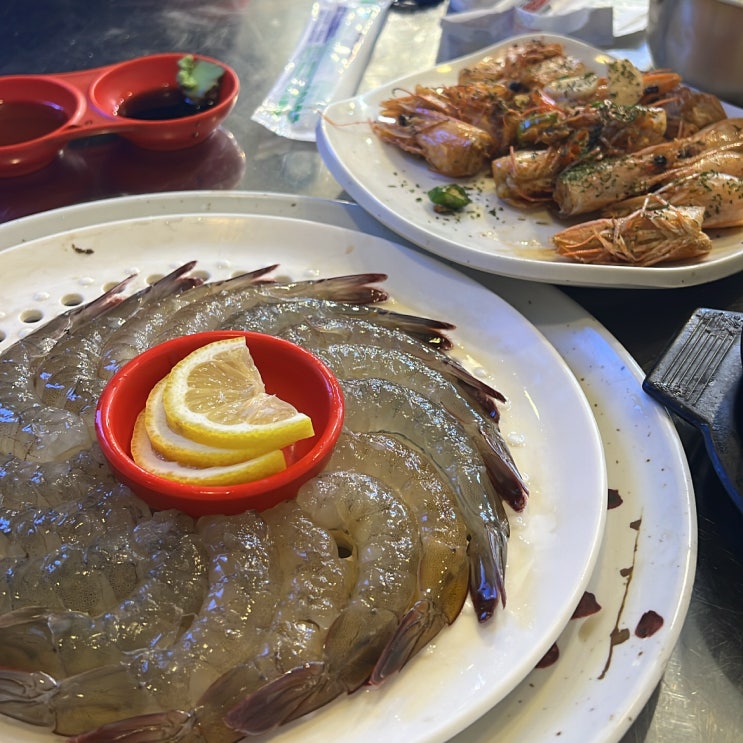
(326, 66)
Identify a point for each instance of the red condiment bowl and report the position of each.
(85, 103)
(117, 84)
(37, 133)
(288, 371)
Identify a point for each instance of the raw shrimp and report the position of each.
(273, 316)
(645, 237)
(67, 377)
(350, 361)
(319, 332)
(379, 405)
(443, 573)
(29, 429)
(720, 194)
(25, 484)
(376, 527)
(239, 602)
(111, 612)
(315, 586)
(204, 309)
(94, 577)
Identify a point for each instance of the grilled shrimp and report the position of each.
(720, 194)
(645, 237)
(595, 184)
(449, 145)
(687, 110)
(531, 62)
(526, 177)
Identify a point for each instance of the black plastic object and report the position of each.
(700, 378)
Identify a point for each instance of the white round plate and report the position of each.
(555, 542)
(646, 465)
(488, 235)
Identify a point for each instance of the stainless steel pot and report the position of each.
(702, 40)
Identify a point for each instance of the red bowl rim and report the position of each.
(122, 462)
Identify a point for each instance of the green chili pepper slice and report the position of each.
(452, 197)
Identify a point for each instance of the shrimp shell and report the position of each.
(29, 429)
(720, 194)
(350, 361)
(319, 332)
(443, 573)
(205, 308)
(380, 405)
(376, 526)
(645, 237)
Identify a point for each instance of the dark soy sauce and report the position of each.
(159, 105)
(21, 121)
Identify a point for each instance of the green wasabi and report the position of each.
(199, 80)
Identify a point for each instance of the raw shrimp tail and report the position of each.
(27, 696)
(281, 700)
(352, 288)
(502, 470)
(43, 340)
(354, 644)
(425, 329)
(421, 623)
(173, 726)
(487, 572)
(110, 298)
(174, 280)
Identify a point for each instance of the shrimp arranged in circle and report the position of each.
(120, 623)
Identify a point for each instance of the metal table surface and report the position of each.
(701, 692)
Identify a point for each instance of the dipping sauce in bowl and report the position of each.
(143, 93)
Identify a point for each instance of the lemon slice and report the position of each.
(216, 396)
(171, 445)
(252, 469)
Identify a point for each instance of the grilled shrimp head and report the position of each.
(451, 147)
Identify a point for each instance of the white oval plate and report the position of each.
(554, 543)
(488, 235)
